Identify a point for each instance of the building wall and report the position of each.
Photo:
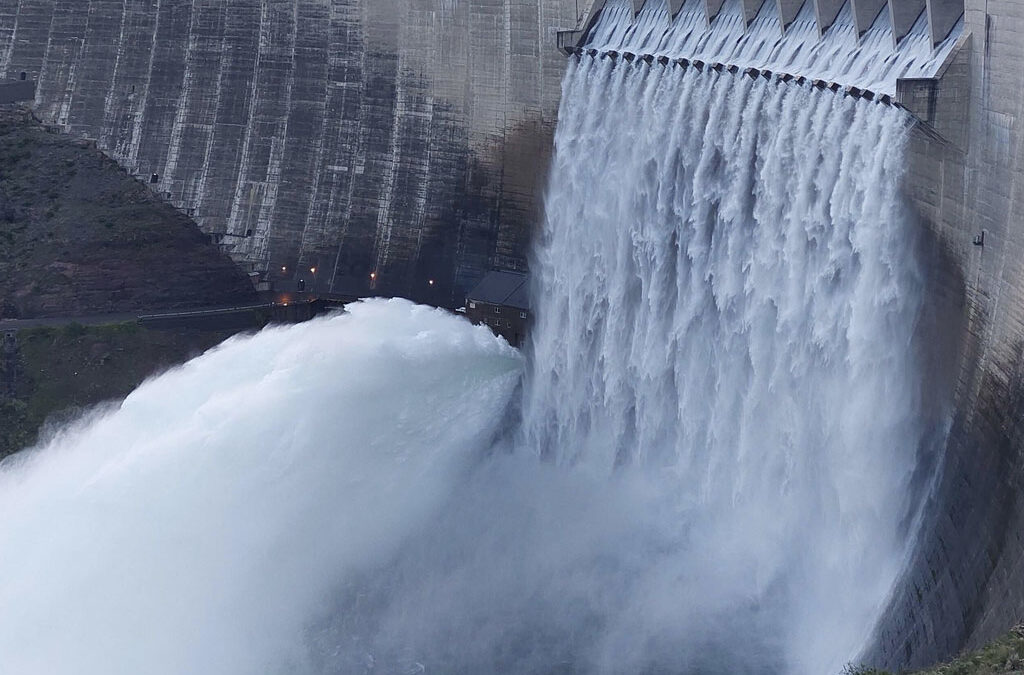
(510, 323)
(407, 137)
(965, 583)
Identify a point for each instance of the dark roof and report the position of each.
(510, 289)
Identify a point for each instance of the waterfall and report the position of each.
(728, 289)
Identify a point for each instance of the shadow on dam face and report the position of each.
(489, 223)
(968, 540)
(938, 342)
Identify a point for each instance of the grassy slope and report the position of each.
(1005, 656)
(63, 371)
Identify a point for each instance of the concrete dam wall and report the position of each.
(401, 138)
(965, 584)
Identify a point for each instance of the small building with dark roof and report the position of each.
(502, 301)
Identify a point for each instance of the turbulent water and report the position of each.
(729, 294)
(705, 464)
(200, 526)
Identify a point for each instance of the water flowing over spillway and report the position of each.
(729, 293)
(872, 61)
(713, 467)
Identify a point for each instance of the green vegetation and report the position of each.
(1005, 656)
(60, 372)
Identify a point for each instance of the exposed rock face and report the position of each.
(403, 137)
(79, 237)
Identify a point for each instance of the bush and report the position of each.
(861, 669)
(75, 330)
(117, 329)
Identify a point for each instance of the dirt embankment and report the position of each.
(79, 236)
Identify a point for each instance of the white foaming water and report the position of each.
(198, 527)
(729, 291)
(711, 474)
(873, 62)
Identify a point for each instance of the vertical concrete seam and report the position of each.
(309, 229)
(244, 156)
(196, 198)
(5, 62)
(174, 147)
(278, 144)
(382, 240)
(69, 86)
(106, 142)
(134, 142)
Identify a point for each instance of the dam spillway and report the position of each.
(958, 589)
(962, 585)
(871, 59)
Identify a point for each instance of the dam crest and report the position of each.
(841, 47)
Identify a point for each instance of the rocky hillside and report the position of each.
(79, 236)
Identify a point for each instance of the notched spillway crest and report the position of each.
(859, 47)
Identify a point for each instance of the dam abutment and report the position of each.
(964, 585)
